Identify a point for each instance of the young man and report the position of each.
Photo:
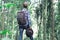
(28, 22)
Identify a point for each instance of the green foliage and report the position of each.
(8, 5)
(3, 32)
(0, 6)
(10, 22)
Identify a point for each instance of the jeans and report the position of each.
(21, 34)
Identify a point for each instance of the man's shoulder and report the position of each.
(24, 9)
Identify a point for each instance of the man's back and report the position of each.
(26, 17)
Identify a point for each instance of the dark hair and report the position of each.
(25, 6)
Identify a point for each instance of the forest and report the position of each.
(44, 14)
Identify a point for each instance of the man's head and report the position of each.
(25, 4)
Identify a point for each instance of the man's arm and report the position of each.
(29, 19)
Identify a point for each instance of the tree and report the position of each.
(51, 19)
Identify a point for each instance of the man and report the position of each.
(28, 22)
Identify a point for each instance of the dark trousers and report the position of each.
(21, 34)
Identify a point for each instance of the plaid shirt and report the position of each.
(27, 14)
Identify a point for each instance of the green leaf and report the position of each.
(3, 32)
(8, 5)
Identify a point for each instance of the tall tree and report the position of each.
(51, 19)
(58, 19)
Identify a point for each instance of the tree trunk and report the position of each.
(51, 19)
